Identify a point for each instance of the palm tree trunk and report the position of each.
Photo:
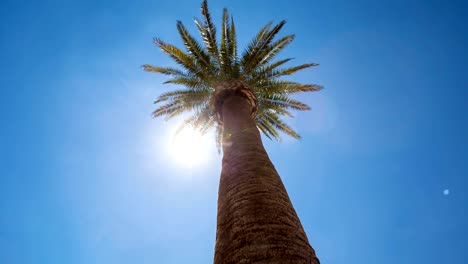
(256, 221)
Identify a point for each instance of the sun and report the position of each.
(189, 147)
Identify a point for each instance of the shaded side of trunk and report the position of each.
(256, 220)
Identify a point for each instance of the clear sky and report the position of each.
(380, 175)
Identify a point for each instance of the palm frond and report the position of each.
(201, 119)
(190, 82)
(274, 86)
(284, 101)
(253, 53)
(170, 109)
(233, 51)
(180, 101)
(275, 65)
(205, 119)
(164, 70)
(187, 122)
(272, 50)
(294, 69)
(197, 52)
(225, 56)
(182, 58)
(274, 120)
(253, 46)
(275, 108)
(208, 31)
(269, 72)
(267, 129)
(186, 95)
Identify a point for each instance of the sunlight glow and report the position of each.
(189, 147)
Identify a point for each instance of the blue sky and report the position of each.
(85, 176)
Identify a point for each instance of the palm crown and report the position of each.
(204, 67)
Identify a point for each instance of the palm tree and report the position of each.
(240, 97)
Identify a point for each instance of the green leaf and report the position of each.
(180, 57)
(197, 52)
(225, 57)
(164, 70)
(254, 52)
(208, 31)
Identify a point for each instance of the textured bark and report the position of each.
(256, 220)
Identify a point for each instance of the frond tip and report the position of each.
(205, 64)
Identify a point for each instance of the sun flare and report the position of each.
(189, 147)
